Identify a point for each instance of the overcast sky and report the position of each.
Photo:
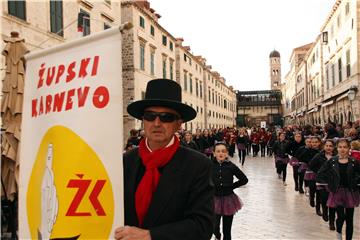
(237, 36)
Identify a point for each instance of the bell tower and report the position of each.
(275, 70)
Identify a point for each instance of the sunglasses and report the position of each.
(163, 116)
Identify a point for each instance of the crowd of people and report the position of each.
(325, 163)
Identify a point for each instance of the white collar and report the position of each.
(169, 144)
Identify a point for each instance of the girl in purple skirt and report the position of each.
(310, 175)
(328, 214)
(342, 174)
(226, 202)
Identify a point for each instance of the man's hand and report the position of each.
(131, 233)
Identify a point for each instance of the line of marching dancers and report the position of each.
(327, 171)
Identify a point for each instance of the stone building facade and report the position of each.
(150, 51)
(34, 20)
(330, 71)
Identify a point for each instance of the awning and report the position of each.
(342, 96)
(327, 103)
(311, 110)
(300, 114)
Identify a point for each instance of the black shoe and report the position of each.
(301, 190)
(325, 217)
(312, 203)
(318, 212)
(332, 226)
(296, 188)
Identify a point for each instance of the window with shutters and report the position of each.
(152, 30)
(348, 67)
(152, 62)
(327, 77)
(142, 57)
(340, 69)
(171, 69)
(185, 81)
(17, 8)
(197, 88)
(191, 83)
(85, 22)
(164, 67)
(56, 17)
(171, 46)
(142, 22)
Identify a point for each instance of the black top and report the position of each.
(208, 142)
(199, 142)
(329, 173)
(317, 161)
(281, 148)
(223, 177)
(242, 139)
(306, 154)
(343, 175)
(190, 144)
(294, 146)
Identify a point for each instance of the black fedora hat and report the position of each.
(164, 93)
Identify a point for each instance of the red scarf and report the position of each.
(149, 182)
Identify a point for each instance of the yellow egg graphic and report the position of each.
(69, 195)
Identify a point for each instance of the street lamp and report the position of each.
(351, 94)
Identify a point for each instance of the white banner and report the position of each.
(71, 182)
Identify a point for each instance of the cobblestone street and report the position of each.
(274, 211)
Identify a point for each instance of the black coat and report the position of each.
(208, 142)
(317, 161)
(223, 174)
(190, 144)
(305, 154)
(182, 206)
(329, 174)
(200, 143)
(294, 146)
(281, 149)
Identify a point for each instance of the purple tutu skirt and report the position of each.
(294, 161)
(283, 160)
(241, 146)
(309, 175)
(227, 205)
(344, 197)
(303, 167)
(322, 187)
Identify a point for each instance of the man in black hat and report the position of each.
(168, 191)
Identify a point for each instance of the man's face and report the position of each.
(158, 132)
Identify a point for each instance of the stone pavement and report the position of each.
(274, 211)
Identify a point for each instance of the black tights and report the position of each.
(242, 154)
(227, 222)
(296, 176)
(314, 194)
(301, 180)
(262, 149)
(255, 148)
(325, 209)
(281, 167)
(345, 214)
